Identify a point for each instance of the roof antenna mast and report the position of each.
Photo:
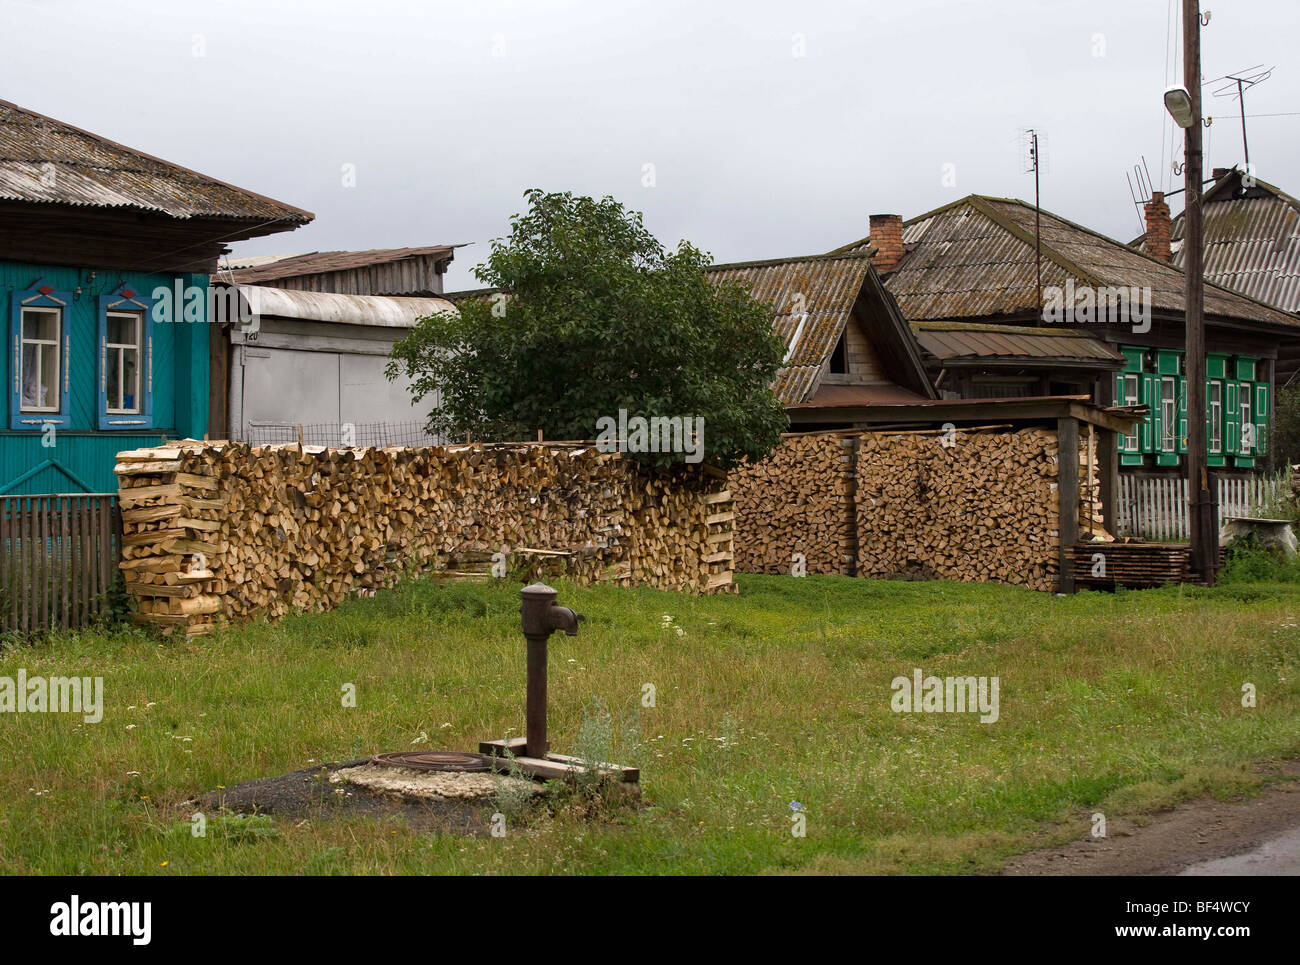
(1033, 165)
(1237, 86)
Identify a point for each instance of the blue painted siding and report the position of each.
(82, 457)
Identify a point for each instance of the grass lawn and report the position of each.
(1120, 703)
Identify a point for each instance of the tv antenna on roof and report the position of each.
(1032, 156)
(1236, 86)
(1141, 176)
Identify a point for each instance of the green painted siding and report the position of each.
(1242, 411)
(82, 457)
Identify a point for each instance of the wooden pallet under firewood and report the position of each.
(1133, 565)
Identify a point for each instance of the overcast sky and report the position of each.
(774, 129)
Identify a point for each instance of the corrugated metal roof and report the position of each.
(45, 161)
(1251, 240)
(382, 311)
(319, 262)
(811, 298)
(975, 258)
(230, 263)
(949, 342)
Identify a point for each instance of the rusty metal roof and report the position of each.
(974, 258)
(320, 262)
(956, 342)
(1251, 240)
(45, 161)
(812, 299)
(831, 395)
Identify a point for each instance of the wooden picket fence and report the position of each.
(58, 558)
(1155, 507)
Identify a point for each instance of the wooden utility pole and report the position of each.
(1201, 496)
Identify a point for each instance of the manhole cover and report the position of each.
(435, 761)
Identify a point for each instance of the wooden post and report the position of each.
(1203, 527)
(1067, 495)
(1108, 470)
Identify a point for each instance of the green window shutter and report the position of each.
(1153, 405)
(1261, 420)
(1132, 358)
(1182, 415)
(1232, 419)
(1246, 368)
(1167, 362)
(1214, 423)
(1216, 366)
(1157, 415)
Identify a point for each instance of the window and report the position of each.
(1169, 415)
(1247, 426)
(1214, 402)
(839, 360)
(42, 330)
(41, 343)
(121, 363)
(1129, 396)
(1261, 418)
(125, 361)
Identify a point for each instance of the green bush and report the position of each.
(1249, 561)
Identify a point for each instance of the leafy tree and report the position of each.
(1284, 446)
(590, 315)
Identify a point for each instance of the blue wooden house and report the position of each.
(105, 258)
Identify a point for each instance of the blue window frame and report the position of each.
(40, 331)
(125, 363)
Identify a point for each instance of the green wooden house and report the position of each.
(977, 278)
(105, 258)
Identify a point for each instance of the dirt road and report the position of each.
(1257, 836)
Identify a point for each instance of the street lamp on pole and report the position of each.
(1184, 105)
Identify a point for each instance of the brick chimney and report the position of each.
(1157, 241)
(887, 239)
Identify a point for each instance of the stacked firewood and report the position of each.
(1092, 521)
(973, 506)
(795, 508)
(172, 517)
(222, 529)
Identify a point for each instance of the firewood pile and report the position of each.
(222, 530)
(969, 506)
(798, 501)
(1092, 522)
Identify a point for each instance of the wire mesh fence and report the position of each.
(341, 434)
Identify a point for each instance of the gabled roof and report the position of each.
(45, 161)
(1251, 235)
(273, 268)
(812, 300)
(974, 258)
